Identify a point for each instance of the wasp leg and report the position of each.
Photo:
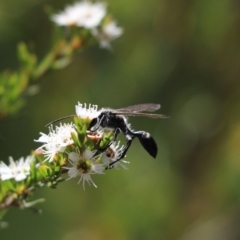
(116, 132)
(123, 152)
(95, 123)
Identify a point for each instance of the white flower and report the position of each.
(84, 165)
(82, 14)
(57, 140)
(85, 112)
(112, 154)
(107, 34)
(68, 17)
(18, 170)
(91, 14)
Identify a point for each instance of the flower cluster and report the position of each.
(90, 16)
(86, 112)
(82, 148)
(17, 170)
(70, 148)
(81, 14)
(57, 140)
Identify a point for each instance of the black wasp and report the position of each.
(116, 119)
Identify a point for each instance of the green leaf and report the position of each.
(76, 139)
(27, 59)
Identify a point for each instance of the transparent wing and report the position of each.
(138, 114)
(145, 107)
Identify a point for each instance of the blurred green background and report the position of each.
(184, 55)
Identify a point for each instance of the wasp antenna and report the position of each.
(59, 119)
